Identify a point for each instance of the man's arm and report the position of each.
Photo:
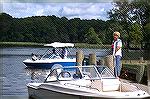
(118, 47)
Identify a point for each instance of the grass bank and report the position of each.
(20, 44)
(85, 45)
(32, 44)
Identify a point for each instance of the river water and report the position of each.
(14, 76)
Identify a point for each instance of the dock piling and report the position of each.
(140, 72)
(79, 58)
(92, 59)
(148, 77)
(141, 60)
(109, 61)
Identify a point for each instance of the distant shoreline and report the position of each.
(20, 44)
(33, 44)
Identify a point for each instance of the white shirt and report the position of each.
(117, 43)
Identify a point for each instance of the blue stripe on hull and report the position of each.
(49, 65)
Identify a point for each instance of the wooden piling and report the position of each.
(101, 61)
(140, 72)
(148, 77)
(92, 59)
(109, 61)
(79, 58)
(141, 60)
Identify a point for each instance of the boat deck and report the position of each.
(140, 86)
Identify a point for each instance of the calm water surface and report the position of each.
(14, 76)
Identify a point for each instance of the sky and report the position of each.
(83, 9)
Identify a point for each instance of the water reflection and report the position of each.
(37, 75)
(34, 75)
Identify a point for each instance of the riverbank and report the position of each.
(32, 44)
(20, 44)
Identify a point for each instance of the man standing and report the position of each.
(117, 53)
(64, 53)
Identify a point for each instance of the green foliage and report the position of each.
(85, 45)
(5, 26)
(136, 33)
(127, 14)
(13, 44)
(147, 32)
(47, 29)
(91, 37)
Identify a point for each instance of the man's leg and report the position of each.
(118, 65)
(115, 67)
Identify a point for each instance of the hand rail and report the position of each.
(82, 86)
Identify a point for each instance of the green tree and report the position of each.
(47, 29)
(73, 29)
(112, 27)
(136, 33)
(91, 37)
(147, 32)
(130, 12)
(5, 26)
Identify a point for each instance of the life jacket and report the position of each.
(115, 46)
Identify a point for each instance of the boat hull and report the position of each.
(47, 94)
(56, 91)
(50, 94)
(48, 63)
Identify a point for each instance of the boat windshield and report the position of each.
(56, 53)
(79, 72)
(51, 54)
(90, 72)
(105, 72)
(97, 72)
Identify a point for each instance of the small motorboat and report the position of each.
(84, 82)
(56, 57)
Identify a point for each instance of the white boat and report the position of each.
(86, 82)
(58, 57)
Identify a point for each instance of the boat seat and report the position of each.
(106, 84)
(97, 84)
(77, 76)
(110, 84)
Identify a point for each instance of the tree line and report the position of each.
(47, 29)
(131, 19)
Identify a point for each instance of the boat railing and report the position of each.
(81, 86)
(49, 54)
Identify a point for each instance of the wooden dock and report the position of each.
(139, 67)
(136, 67)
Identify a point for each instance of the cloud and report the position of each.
(87, 10)
(56, 1)
(69, 10)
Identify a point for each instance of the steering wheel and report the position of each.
(87, 75)
(64, 74)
